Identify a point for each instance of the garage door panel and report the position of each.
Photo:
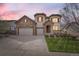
(40, 32)
(25, 31)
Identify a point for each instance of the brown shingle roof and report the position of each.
(55, 15)
(26, 17)
(40, 14)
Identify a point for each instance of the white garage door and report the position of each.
(26, 31)
(40, 32)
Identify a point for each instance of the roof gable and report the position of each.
(25, 17)
(47, 22)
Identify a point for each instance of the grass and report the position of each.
(62, 44)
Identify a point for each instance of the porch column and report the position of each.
(17, 30)
(34, 30)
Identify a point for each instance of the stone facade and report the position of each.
(25, 22)
(42, 22)
(49, 24)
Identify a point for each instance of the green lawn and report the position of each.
(62, 44)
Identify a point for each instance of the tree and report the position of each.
(70, 13)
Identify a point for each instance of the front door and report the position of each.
(48, 29)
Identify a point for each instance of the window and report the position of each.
(55, 27)
(39, 19)
(12, 28)
(25, 20)
(54, 19)
(42, 19)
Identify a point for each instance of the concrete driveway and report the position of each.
(23, 45)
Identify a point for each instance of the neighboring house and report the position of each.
(39, 26)
(10, 24)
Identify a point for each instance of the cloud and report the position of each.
(3, 8)
(11, 15)
(14, 11)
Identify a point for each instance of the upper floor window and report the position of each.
(39, 19)
(25, 20)
(55, 20)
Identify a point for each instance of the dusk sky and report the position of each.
(14, 11)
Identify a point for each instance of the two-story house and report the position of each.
(41, 25)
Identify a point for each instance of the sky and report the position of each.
(14, 11)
